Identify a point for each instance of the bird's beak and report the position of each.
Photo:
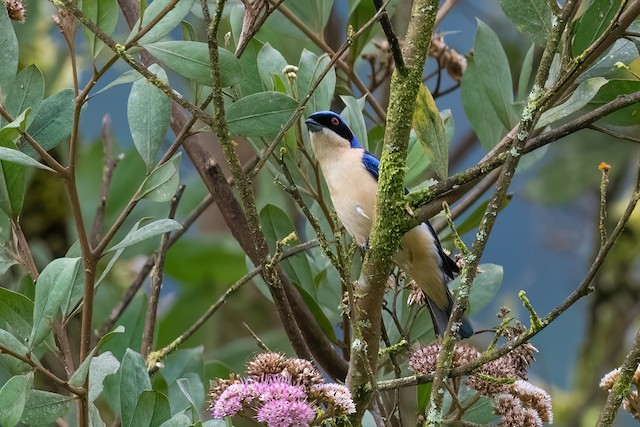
(313, 126)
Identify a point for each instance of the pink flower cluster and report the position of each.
(277, 402)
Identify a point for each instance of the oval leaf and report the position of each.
(162, 183)
(13, 397)
(260, 114)
(578, 99)
(309, 69)
(43, 407)
(52, 123)
(271, 65)
(26, 92)
(191, 60)
(531, 17)
(149, 114)
(54, 287)
(134, 380)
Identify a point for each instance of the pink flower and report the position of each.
(232, 399)
(285, 413)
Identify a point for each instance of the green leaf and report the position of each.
(484, 120)
(26, 92)
(481, 412)
(533, 18)
(104, 13)
(309, 69)
(314, 14)
(191, 60)
(94, 417)
(623, 50)
(101, 367)
(429, 130)
(162, 182)
(6, 262)
(12, 181)
(271, 64)
(126, 77)
(249, 64)
(156, 228)
(492, 66)
(134, 380)
(15, 156)
(178, 420)
(424, 393)
(9, 43)
(525, 74)
(52, 291)
(260, 114)
(166, 24)
(578, 99)
(10, 363)
(52, 123)
(593, 23)
(417, 162)
(78, 377)
(149, 114)
(17, 310)
(353, 116)
(627, 116)
(13, 397)
(133, 320)
(151, 410)
(484, 287)
(43, 407)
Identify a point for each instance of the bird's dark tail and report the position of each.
(440, 318)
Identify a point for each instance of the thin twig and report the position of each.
(387, 27)
(256, 338)
(156, 281)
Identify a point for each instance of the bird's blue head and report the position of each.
(318, 122)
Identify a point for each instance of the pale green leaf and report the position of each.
(533, 18)
(53, 289)
(484, 288)
(162, 182)
(104, 13)
(43, 407)
(126, 77)
(156, 228)
(525, 74)
(9, 43)
(149, 114)
(191, 60)
(261, 114)
(101, 367)
(13, 397)
(578, 99)
(52, 123)
(17, 310)
(26, 92)
(309, 69)
(271, 64)
(134, 380)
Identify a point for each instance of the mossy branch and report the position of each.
(390, 219)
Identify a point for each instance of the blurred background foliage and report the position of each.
(543, 241)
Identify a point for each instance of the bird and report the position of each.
(351, 174)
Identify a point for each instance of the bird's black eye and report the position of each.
(335, 121)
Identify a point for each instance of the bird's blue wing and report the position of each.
(371, 164)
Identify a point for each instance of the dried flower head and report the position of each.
(16, 10)
(501, 369)
(218, 387)
(416, 294)
(303, 372)
(423, 359)
(631, 404)
(535, 398)
(607, 382)
(266, 364)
